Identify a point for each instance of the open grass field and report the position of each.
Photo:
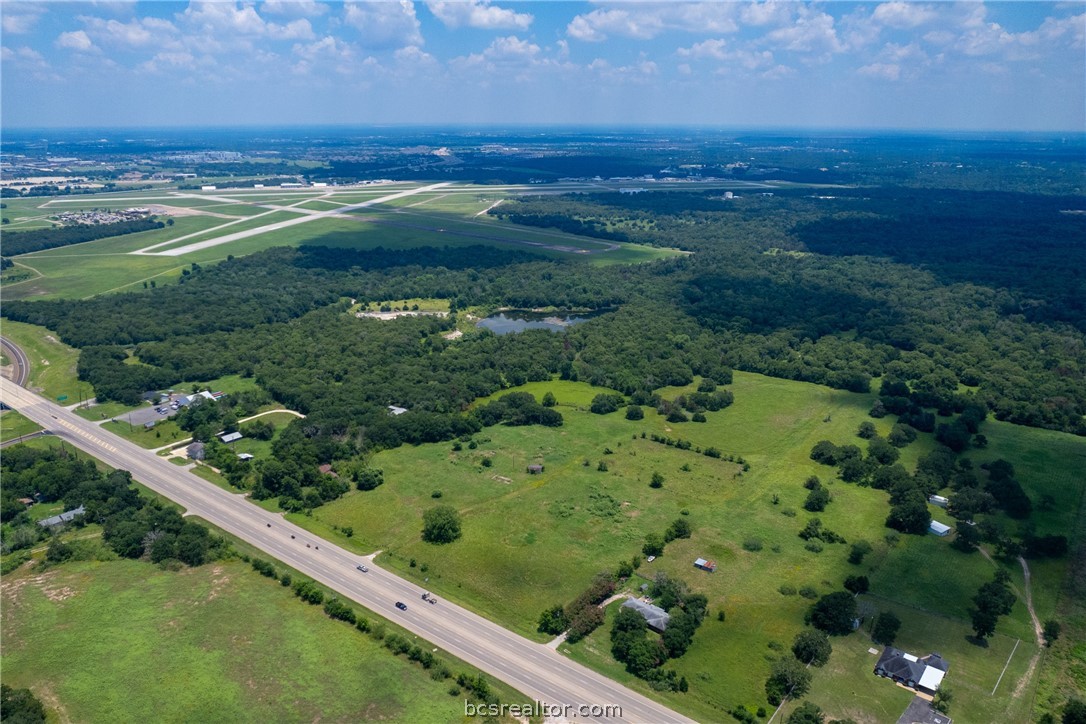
(126, 641)
(98, 267)
(532, 541)
(13, 425)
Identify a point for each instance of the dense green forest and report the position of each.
(958, 301)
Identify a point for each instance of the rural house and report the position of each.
(65, 517)
(195, 451)
(654, 616)
(923, 674)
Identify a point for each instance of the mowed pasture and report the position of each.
(444, 218)
(215, 643)
(530, 541)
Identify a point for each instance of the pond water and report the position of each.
(518, 321)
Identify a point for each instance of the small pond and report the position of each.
(518, 320)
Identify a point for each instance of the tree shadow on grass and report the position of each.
(977, 641)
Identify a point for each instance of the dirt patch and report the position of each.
(58, 594)
(218, 582)
(52, 702)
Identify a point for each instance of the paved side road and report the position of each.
(538, 672)
(19, 363)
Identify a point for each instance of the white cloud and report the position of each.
(712, 48)
(135, 33)
(22, 55)
(228, 19)
(1073, 28)
(766, 13)
(29, 61)
(303, 8)
(167, 60)
(882, 71)
(478, 14)
(76, 40)
(326, 55)
(903, 15)
(384, 24)
(20, 17)
(812, 31)
(509, 54)
(648, 20)
(638, 72)
(940, 37)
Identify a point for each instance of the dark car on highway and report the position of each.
(401, 605)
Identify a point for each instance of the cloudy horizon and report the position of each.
(957, 66)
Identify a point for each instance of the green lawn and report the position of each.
(532, 541)
(13, 425)
(126, 641)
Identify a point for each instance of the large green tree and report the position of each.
(440, 524)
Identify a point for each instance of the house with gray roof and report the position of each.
(195, 451)
(920, 673)
(656, 617)
(66, 517)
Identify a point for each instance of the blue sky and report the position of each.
(897, 65)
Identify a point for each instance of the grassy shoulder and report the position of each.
(52, 363)
(178, 650)
(13, 425)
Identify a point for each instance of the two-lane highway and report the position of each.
(535, 670)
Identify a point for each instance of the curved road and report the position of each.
(18, 360)
(533, 669)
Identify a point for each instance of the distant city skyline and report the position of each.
(969, 66)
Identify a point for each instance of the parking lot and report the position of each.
(148, 413)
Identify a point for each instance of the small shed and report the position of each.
(705, 565)
(195, 451)
(938, 500)
(535, 469)
(148, 425)
(230, 437)
(394, 410)
(939, 529)
(245, 456)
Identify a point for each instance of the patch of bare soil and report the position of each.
(52, 703)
